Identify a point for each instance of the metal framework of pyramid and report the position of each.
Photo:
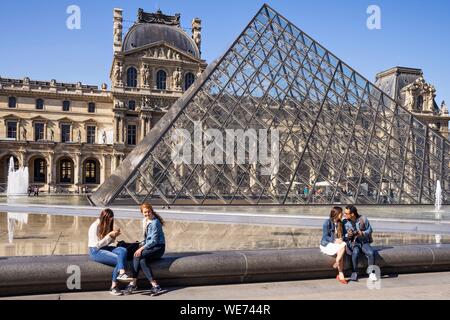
(341, 139)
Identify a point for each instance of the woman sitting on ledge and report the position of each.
(101, 236)
(152, 248)
(332, 243)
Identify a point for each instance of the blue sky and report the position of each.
(36, 43)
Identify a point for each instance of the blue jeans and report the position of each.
(367, 250)
(147, 255)
(110, 256)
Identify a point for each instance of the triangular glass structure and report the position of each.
(340, 138)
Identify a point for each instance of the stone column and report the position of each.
(149, 123)
(143, 127)
(19, 132)
(103, 173)
(51, 171)
(122, 130)
(119, 127)
(77, 172)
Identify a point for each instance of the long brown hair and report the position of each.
(106, 223)
(148, 206)
(335, 212)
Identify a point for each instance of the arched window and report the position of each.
(65, 171)
(161, 79)
(90, 172)
(40, 170)
(420, 103)
(39, 104)
(12, 102)
(189, 79)
(132, 77)
(91, 107)
(132, 105)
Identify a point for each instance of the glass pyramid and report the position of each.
(339, 139)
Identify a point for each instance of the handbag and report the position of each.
(131, 248)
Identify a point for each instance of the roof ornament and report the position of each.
(158, 17)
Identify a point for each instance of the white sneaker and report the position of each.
(124, 278)
(115, 292)
(373, 277)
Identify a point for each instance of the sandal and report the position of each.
(341, 281)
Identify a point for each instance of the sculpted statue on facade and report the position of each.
(24, 134)
(177, 79)
(118, 74)
(146, 102)
(169, 54)
(104, 137)
(118, 33)
(196, 32)
(145, 72)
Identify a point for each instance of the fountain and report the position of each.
(17, 180)
(17, 186)
(438, 202)
(438, 206)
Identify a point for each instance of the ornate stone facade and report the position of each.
(73, 136)
(408, 86)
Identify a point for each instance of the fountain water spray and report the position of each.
(438, 202)
(17, 180)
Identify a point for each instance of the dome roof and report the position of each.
(142, 34)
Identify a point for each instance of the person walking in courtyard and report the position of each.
(151, 249)
(332, 243)
(101, 236)
(358, 235)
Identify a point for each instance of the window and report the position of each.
(65, 132)
(38, 131)
(90, 171)
(91, 107)
(131, 134)
(12, 129)
(132, 105)
(39, 170)
(12, 102)
(132, 77)
(420, 103)
(65, 175)
(161, 78)
(39, 104)
(90, 132)
(66, 105)
(189, 79)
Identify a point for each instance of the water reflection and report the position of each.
(43, 234)
(15, 218)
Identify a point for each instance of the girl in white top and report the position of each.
(101, 236)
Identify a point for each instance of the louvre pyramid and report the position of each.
(340, 136)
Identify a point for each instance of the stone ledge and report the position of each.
(48, 274)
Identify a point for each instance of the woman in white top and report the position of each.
(101, 236)
(332, 243)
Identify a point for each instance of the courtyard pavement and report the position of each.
(426, 286)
